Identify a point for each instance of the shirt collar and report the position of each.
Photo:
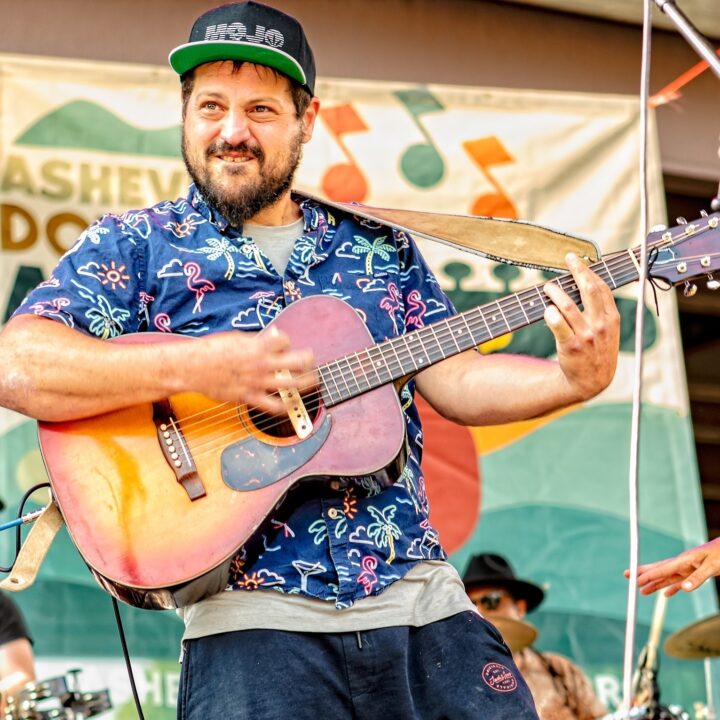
(308, 207)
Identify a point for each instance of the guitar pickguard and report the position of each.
(251, 464)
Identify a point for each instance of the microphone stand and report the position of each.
(693, 36)
(701, 46)
(646, 692)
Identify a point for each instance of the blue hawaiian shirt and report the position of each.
(179, 267)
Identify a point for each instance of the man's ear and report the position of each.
(522, 607)
(309, 118)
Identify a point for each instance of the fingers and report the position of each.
(594, 294)
(587, 340)
(249, 368)
(686, 572)
(279, 360)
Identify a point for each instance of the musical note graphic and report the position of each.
(486, 152)
(421, 163)
(344, 182)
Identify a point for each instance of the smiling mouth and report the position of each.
(235, 159)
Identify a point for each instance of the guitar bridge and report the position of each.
(176, 451)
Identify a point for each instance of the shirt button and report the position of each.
(335, 484)
(333, 513)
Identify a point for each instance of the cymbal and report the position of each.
(696, 641)
(516, 633)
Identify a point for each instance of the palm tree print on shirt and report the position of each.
(384, 532)
(377, 247)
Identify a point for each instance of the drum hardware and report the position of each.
(660, 712)
(696, 641)
(645, 704)
(58, 698)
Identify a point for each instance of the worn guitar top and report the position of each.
(179, 267)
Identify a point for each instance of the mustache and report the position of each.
(221, 147)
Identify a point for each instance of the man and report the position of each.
(559, 687)
(365, 614)
(17, 666)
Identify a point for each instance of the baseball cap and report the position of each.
(252, 32)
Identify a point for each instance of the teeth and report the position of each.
(233, 159)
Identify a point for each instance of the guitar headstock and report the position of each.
(686, 252)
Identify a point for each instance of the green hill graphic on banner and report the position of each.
(87, 126)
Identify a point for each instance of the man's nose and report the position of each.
(235, 128)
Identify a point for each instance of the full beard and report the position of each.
(241, 203)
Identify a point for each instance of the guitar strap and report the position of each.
(516, 242)
(33, 550)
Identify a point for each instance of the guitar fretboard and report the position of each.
(391, 360)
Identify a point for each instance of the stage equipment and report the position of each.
(517, 634)
(58, 698)
(696, 641)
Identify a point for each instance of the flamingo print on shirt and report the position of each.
(197, 284)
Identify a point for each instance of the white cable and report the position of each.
(633, 522)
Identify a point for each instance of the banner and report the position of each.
(80, 139)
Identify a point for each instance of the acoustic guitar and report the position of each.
(159, 498)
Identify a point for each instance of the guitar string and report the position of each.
(620, 258)
(353, 363)
(441, 334)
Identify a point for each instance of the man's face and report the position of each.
(496, 602)
(241, 138)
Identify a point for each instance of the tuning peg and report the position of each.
(703, 213)
(689, 289)
(658, 228)
(712, 283)
(681, 220)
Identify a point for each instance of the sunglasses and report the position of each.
(491, 600)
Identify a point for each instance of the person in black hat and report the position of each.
(559, 687)
(345, 605)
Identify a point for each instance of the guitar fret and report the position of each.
(409, 349)
(463, 317)
(452, 335)
(332, 377)
(519, 302)
(482, 316)
(367, 380)
(353, 377)
(437, 341)
(342, 375)
(392, 347)
(380, 363)
(507, 324)
(607, 270)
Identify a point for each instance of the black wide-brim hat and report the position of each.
(495, 570)
(251, 32)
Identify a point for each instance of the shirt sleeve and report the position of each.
(581, 695)
(97, 286)
(12, 625)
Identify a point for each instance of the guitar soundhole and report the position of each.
(279, 425)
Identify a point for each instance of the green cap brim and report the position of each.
(188, 56)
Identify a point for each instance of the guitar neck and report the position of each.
(403, 356)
